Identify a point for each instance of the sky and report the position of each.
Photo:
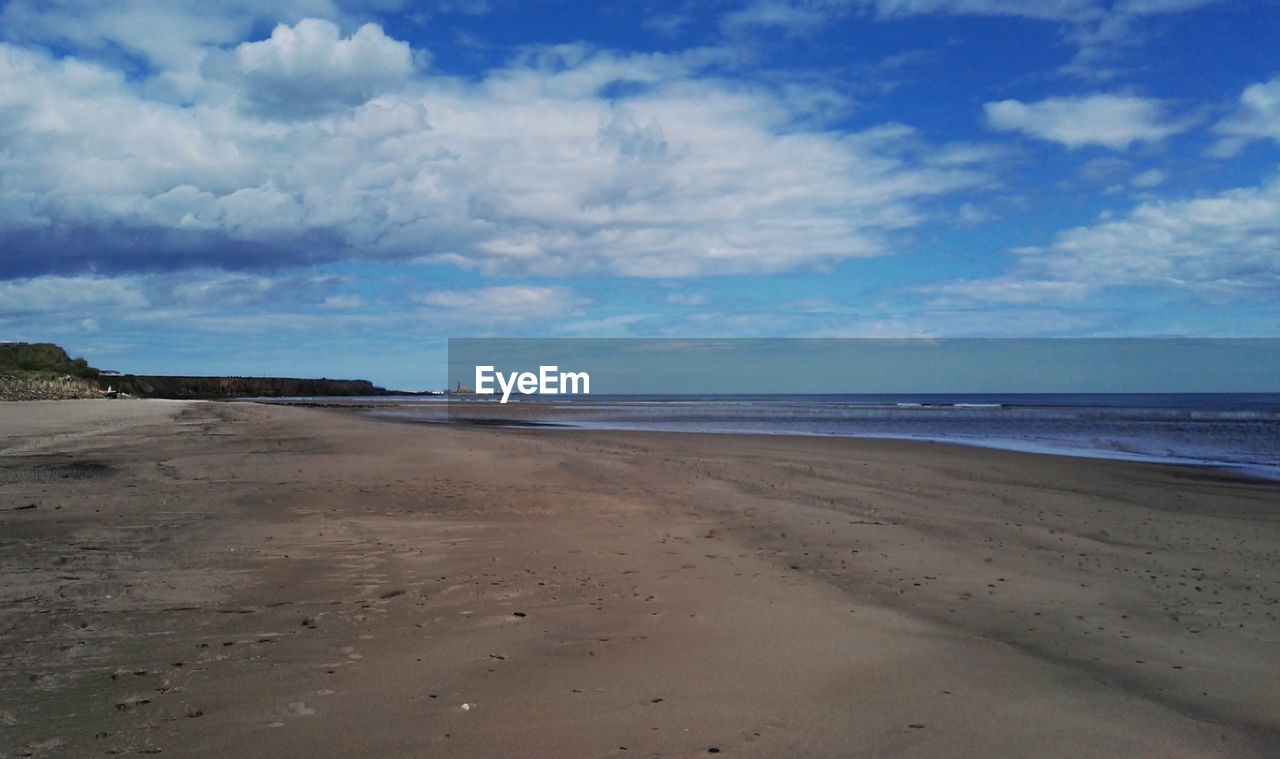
(322, 188)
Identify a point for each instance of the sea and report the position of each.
(1236, 431)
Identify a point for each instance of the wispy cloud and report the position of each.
(342, 302)
(1104, 38)
(503, 304)
(68, 295)
(1012, 290)
(1049, 10)
(1099, 30)
(1257, 117)
(1223, 246)
(1149, 178)
(774, 14)
(686, 299)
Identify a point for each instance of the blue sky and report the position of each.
(333, 189)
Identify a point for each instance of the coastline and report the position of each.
(337, 585)
(1229, 431)
(1261, 472)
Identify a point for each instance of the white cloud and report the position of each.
(1113, 121)
(169, 36)
(503, 304)
(191, 301)
(1224, 246)
(1229, 241)
(538, 167)
(1257, 118)
(310, 69)
(1149, 178)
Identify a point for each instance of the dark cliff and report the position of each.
(44, 370)
(156, 386)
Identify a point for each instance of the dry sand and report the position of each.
(201, 579)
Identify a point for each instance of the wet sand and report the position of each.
(200, 579)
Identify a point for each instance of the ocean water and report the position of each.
(1238, 431)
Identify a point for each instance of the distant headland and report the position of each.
(45, 371)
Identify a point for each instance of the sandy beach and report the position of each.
(228, 579)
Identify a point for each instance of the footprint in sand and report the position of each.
(300, 709)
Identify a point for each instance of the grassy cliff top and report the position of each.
(36, 359)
